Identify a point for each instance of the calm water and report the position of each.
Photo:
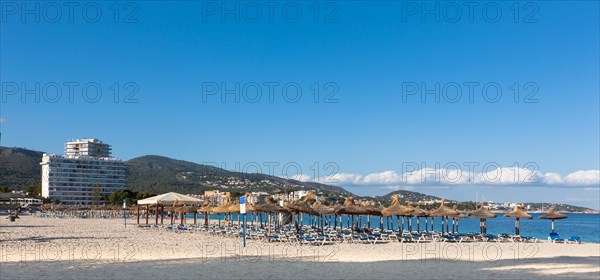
(587, 226)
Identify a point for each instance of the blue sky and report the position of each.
(368, 54)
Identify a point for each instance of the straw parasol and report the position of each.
(396, 209)
(234, 208)
(350, 208)
(302, 205)
(456, 218)
(206, 209)
(519, 213)
(553, 215)
(270, 206)
(482, 214)
(322, 209)
(374, 211)
(225, 208)
(418, 213)
(444, 212)
(186, 209)
(337, 206)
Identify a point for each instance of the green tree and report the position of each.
(34, 191)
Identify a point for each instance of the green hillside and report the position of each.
(158, 174)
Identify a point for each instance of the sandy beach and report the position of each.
(34, 248)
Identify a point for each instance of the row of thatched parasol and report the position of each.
(350, 208)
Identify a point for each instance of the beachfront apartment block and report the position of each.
(85, 175)
(280, 195)
(257, 197)
(216, 197)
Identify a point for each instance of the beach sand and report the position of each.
(47, 248)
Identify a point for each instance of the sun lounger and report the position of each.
(574, 239)
(529, 239)
(555, 238)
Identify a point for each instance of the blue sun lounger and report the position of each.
(555, 238)
(574, 239)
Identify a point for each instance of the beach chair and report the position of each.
(347, 237)
(361, 238)
(332, 236)
(574, 239)
(448, 238)
(319, 241)
(529, 239)
(555, 238)
(503, 237)
(290, 236)
(515, 238)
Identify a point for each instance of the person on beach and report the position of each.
(9, 214)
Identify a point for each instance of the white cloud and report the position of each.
(583, 178)
(3, 120)
(552, 178)
(301, 177)
(497, 176)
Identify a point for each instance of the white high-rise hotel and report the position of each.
(85, 175)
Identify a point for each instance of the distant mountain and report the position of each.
(20, 168)
(158, 174)
(406, 196)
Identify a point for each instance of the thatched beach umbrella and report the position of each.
(396, 209)
(374, 211)
(410, 209)
(444, 212)
(182, 210)
(553, 215)
(269, 207)
(336, 207)
(418, 213)
(206, 209)
(302, 206)
(222, 209)
(482, 214)
(519, 213)
(322, 210)
(456, 218)
(350, 208)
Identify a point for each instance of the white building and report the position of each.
(294, 195)
(85, 175)
(257, 197)
(87, 147)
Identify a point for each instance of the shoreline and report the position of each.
(104, 248)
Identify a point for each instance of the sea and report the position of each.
(586, 226)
